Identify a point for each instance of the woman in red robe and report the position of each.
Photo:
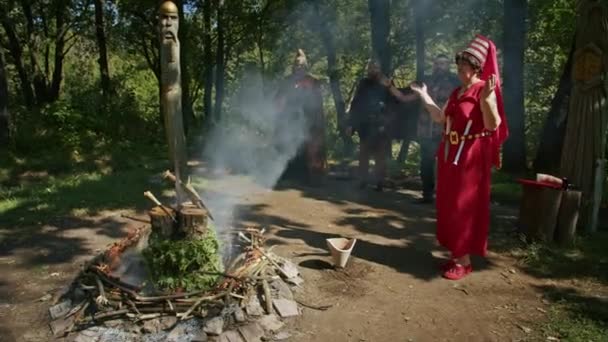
(475, 128)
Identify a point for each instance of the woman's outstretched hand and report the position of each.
(489, 87)
(419, 89)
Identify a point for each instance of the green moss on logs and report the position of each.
(187, 264)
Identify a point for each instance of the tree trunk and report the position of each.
(101, 44)
(16, 51)
(208, 57)
(188, 112)
(554, 129)
(419, 18)
(219, 63)
(514, 153)
(5, 119)
(379, 11)
(60, 13)
(334, 75)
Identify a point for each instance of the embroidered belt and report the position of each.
(455, 138)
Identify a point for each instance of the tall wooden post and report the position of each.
(171, 91)
(585, 140)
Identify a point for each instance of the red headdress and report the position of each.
(484, 50)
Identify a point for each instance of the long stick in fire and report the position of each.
(153, 198)
(466, 132)
(194, 196)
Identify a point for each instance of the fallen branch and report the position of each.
(268, 297)
(315, 307)
(135, 218)
(186, 315)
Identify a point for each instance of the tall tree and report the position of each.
(380, 20)
(208, 58)
(4, 113)
(419, 19)
(16, 51)
(514, 31)
(100, 34)
(220, 60)
(327, 37)
(185, 48)
(40, 83)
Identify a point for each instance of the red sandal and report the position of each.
(446, 265)
(458, 272)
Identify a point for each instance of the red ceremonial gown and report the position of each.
(463, 190)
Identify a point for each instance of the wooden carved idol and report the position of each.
(171, 91)
(582, 160)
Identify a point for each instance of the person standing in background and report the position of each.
(440, 85)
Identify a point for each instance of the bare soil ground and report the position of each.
(391, 289)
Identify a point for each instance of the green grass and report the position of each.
(505, 188)
(570, 321)
(577, 313)
(74, 187)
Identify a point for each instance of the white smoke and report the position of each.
(253, 140)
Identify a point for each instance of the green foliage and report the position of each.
(550, 36)
(184, 264)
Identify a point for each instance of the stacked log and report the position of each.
(549, 213)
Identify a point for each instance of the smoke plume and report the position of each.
(253, 140)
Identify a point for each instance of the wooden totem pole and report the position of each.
(582, 160)
(187, 218)
(171, 91)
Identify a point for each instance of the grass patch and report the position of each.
(579, 312)
(40, 189)
(571, 321)
(505, 189)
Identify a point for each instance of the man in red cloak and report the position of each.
(300, 93)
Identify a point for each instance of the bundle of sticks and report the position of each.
(107, 297)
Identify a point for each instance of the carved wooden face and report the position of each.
(169, 25)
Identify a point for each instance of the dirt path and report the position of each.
(390, 291)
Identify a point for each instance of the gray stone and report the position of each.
(270, 323)
(167, 322)
(151, 326)
(289, 269)
(92, 334)
(283, 335)
(253, 307)
(59, 326)
(200, 337)
(231, 336)
(214, 326)
(239, 315)
(252, 332)
(282, 290)
(176, 333)
(286, 307)
(61, 309)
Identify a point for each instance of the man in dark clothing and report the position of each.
(368, 117)
(371, 117)
(440, 85)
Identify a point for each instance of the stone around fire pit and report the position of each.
(285, 307)
(214, 326)
(263, 286)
